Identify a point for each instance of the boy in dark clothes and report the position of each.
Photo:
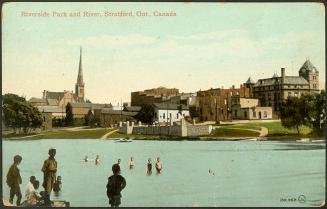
(116, 183)
(14, 179)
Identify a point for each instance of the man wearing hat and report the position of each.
(49, 170)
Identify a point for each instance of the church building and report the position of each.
(62, 98)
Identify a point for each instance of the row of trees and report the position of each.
(309, 109)
(20, 114)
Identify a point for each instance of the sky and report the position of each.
(206, 45)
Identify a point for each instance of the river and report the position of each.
(242, 173)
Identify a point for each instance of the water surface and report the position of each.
(246, 173)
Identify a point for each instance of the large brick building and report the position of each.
(215, 104)
(151, 96)
(273, 91)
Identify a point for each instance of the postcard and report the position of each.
(167, 104)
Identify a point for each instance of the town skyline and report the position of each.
(144, 55)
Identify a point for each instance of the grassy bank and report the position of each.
(275, 129)
(68, 134)
(231, 132)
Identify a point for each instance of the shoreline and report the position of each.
(176, 138)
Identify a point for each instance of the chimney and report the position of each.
(283, 74)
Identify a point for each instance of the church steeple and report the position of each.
(80, 70)
(79, 87)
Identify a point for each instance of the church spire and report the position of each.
(79, 87)
(80, 70)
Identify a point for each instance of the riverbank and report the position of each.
(260, 131)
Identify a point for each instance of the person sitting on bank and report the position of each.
(29, 186)
(14, 180)
(158, 165)
(32, 196)
(131, 163)
(149, 167)
(116, 183)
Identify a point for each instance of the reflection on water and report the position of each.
(195, 173)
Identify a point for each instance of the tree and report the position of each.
(18, 113)
(146, 114)
(89, 119)
(293, 113)
(69, 115)
(315, 106)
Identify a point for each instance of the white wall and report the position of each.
(162, 115)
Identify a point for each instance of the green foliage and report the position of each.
(69, 115)
(315, 115)
(146, 114)
(18, 113)
(293, 113)
(89, 119)
(307, 110)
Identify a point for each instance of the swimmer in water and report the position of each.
(131, 163)
(158, 166)
(149, 167)
(97, 160)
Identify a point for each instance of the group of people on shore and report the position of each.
(33, 198)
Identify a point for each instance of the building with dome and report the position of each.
(273, 91)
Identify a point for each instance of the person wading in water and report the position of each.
(116, 183)
(14, 180)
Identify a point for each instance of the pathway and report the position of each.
(107, 134)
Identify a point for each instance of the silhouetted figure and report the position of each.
(116, 183)
(14, 180)
(49, 170)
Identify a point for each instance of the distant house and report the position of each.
(168, 112)
(249, 109)
(109, 117)
(81, 109)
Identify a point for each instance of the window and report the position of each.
(164, 116)
(265, 114)
(169, 115)
(245, 114)
(177, 115)
(254, 114)
(235, 113)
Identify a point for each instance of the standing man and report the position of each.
(14, 180)
(49, 170)
(116, 183)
